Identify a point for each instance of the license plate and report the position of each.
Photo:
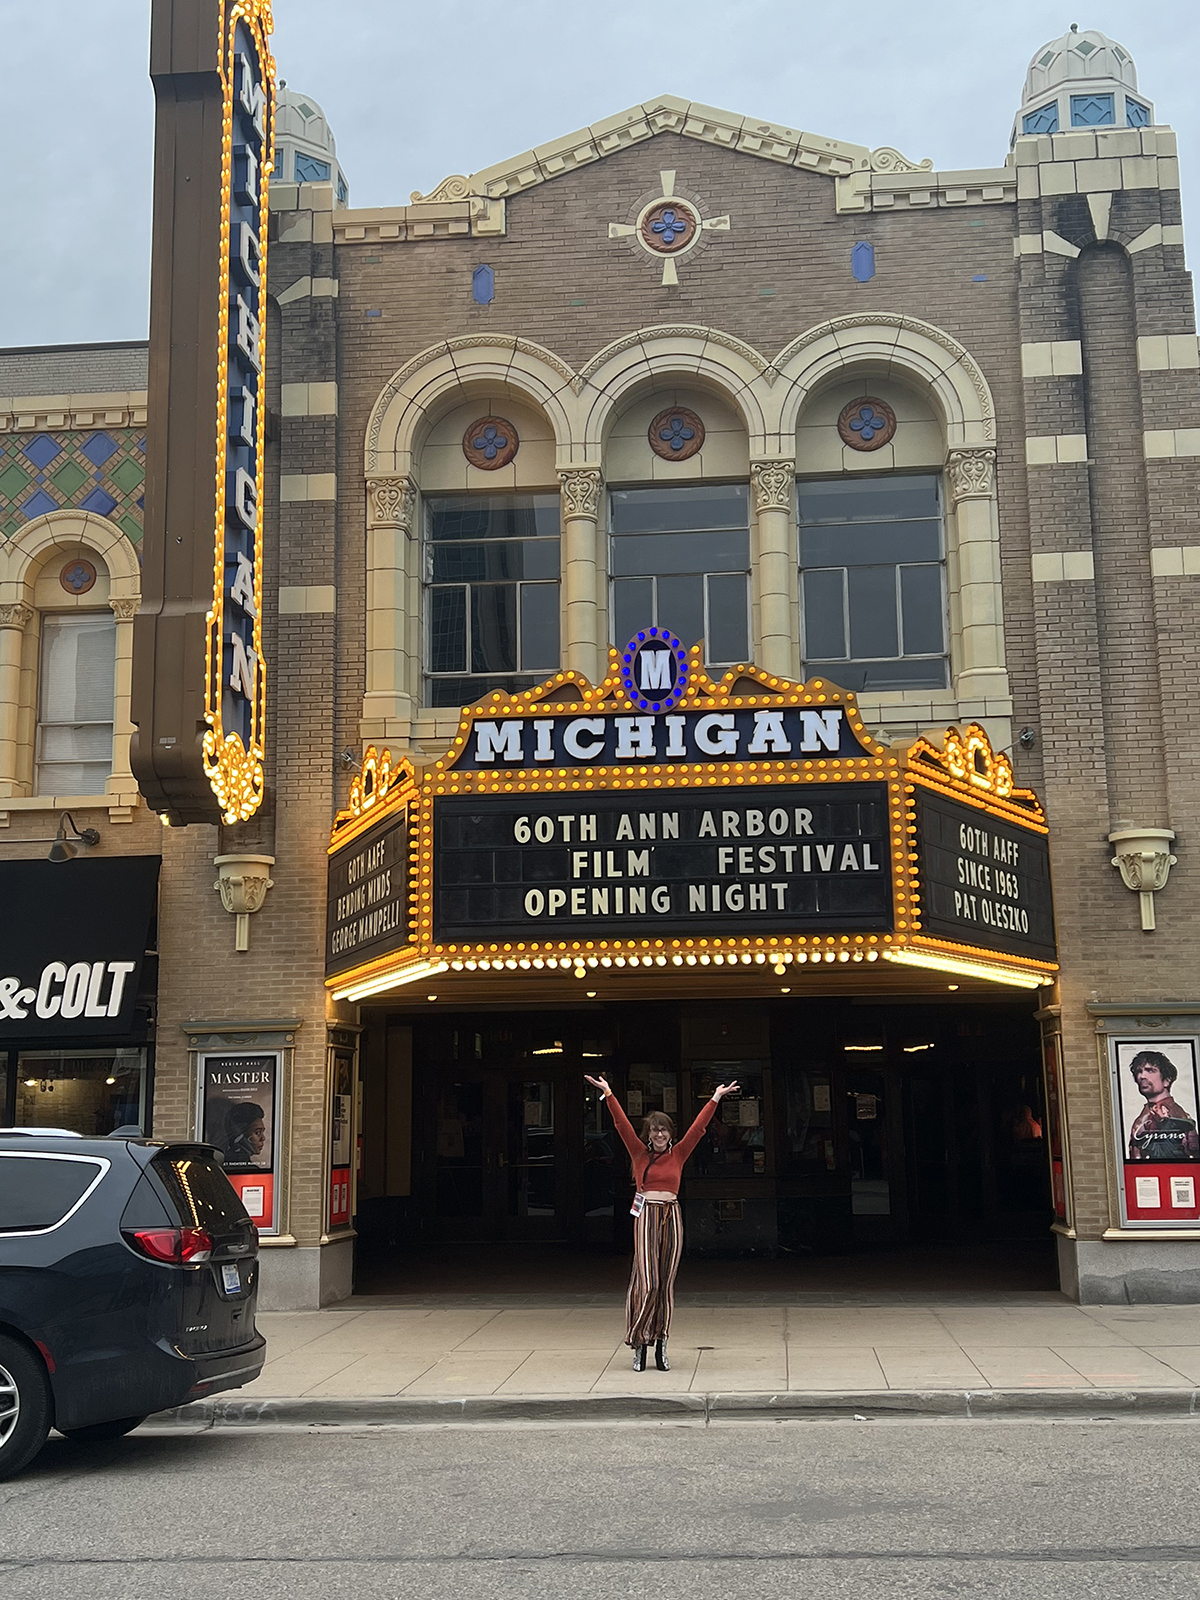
(230, 1280)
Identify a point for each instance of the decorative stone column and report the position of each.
(981, 673)
(393, 618)
(242, 882)
(778, 649)
(580, 512)
(121, 780)
(14, 619)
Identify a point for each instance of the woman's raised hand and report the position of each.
(723, 1089)
(600, 1083)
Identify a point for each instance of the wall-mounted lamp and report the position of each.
(1144, 858)
(63, 848)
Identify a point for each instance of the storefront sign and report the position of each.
(367, 908)
(984, 880)
(666, 818)
(199, 690)
(699, 861)
(73, 938)
(1156, 1109)
(239, 1114)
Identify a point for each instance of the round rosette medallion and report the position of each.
(867, 424)
(677, 434)
(654, 670)
(669, 226)
(78, 576)
(490, 443)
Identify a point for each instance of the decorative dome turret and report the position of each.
(305, 151)
(1083, 80)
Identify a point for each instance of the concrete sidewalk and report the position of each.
(452, 1348)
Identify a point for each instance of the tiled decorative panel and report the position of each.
(101, 470)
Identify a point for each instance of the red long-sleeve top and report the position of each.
(658, 1172)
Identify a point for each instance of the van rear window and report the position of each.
(202, 1194)
(39, 1191)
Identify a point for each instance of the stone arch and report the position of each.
(27, 551)
(22, 561)
(449, 371)
(917, 351)
(931, 361)
(705, 357)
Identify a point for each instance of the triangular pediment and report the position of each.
(667, 113)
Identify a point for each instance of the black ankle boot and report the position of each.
(660, 1356)
(639, 1358)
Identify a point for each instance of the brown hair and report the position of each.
(656, 1119)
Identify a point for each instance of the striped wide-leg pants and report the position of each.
(657, 1247)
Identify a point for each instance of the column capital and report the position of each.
(581, 490)
(15, 614)
(125, 609)
(391, 502)
(774, 484)
(972, 472)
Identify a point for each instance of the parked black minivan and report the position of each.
(128, 1283)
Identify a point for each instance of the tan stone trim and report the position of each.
(28, 413)
(1168, 352)
(307, 600)
(1068, 566)
(1051, 449)
(1175, 561)
(1161, 443)
(1053, 358)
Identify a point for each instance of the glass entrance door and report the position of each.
(500, 1156)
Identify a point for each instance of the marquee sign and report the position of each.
(199, 690)
(749, 820)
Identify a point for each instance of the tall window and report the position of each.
(491, 574)
(871, 573)
(75, 704)
(680, 559)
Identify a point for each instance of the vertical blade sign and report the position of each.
(235, 694)
(198, 686)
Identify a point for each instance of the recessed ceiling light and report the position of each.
(952, 986)
(431, 997)
(591, 994)
(785, 991)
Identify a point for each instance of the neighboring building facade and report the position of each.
(930, 438)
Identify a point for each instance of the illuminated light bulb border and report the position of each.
(419, 789)
(1016, 977)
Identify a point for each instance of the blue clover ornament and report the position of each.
(670, 226)
(676, 433)
(866, 424)
(490, 442)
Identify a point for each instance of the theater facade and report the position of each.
(727, 608)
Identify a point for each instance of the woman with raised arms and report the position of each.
(658, 1227)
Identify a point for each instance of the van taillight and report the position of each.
(174, 1245)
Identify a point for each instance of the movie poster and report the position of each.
(239, 1115)
(341, 1131)
(1155, 1114)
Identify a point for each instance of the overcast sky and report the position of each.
(414, 92)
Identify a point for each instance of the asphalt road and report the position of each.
(821, 1510)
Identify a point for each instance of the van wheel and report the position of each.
(24, 1406)
(100, 1431)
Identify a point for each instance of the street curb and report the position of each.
(377, 1411)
